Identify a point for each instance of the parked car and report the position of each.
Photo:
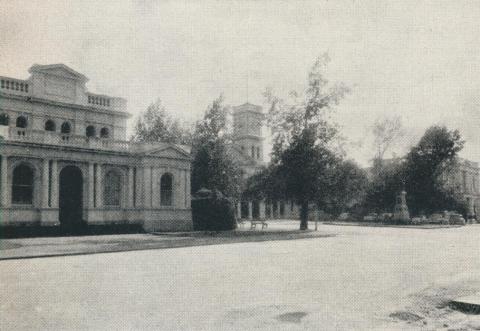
(438, 218)
(344, 217)
(386, 217)
(372, 217)
(456, 219)
(420, 220)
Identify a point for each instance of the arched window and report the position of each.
(166, 190)
(258, 152)
(22, 185)
(90, 131)
(104, 133)
(253, 152)
(112, 189)
(21, 122)
(66, 128)
(50, 125)
(4, 119)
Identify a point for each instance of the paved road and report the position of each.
(351, 281)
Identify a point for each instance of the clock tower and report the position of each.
(247, 130)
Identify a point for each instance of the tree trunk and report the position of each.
(304, 215)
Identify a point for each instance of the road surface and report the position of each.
(363, 278)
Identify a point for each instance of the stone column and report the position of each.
(262, 209)
(4, 182)
(130, 188)
(91, 186)
(188, 197)
(155, 187)
(54, 191)
(45, 182)
(98, 187)
(239, 210)
(147, 177)
(250, 210)
(138, 187)
(275, 209)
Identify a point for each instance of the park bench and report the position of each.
(255, 221)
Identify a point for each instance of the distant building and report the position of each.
(65, 160)
(247, 150)
(464, 180)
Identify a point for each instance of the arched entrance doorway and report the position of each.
(70, 198)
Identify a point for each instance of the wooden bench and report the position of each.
(254, 222)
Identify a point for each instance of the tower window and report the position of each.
(90, 131)
(253, 152)
(104, 133)
(4, 119)
(50, 125)
(66, 128)
(258, 152)
(21, 122)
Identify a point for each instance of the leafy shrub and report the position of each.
(211, 211)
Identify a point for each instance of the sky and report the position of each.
(416, 59)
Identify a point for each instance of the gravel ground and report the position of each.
(364, 278)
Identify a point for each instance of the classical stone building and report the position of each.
(465, 179)
(65, 160)
(248, 151)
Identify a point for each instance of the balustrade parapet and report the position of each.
(14, 86)
(59, 139)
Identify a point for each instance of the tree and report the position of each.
(213, 167)
(348, 186)
(385, 133)
(157, 125)
(385, 185)
(302, 136)
(424, 173)
(427, 167)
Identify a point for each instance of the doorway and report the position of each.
(71, 199)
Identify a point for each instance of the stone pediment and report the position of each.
(169, 151)
(58, 70)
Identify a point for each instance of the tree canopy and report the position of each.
(302, 131)
(156, 124)
(424, 173)
(213, 166)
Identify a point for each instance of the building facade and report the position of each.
(465, 181)
(248, 152)
(65, 159)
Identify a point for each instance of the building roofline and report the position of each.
(64, 104)
(40, 67)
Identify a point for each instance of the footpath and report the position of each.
(22, 248)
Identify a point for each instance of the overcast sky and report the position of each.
(420, 60)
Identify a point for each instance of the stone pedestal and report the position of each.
(400, 211)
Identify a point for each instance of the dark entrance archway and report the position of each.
(71, 199)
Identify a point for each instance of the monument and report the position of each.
(400, 211)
